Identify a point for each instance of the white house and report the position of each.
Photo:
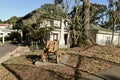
(5, 29)
(103, 36)
(60, 32)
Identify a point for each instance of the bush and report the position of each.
(82, 40)
(7, 38)
(15, 36)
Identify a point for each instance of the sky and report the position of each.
(19, 8)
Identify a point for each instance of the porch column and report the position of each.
(69, 40)
(62, 41)
(3, 38)
(21, 35)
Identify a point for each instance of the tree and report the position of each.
(98, 13)
(1, 21)
(12, 21)
(80, 15)
(35, 34)
(57, 2)
(76, 26)
(52, 11)
(86, 16)
(15, 36)
(114, 9)
(64, 5)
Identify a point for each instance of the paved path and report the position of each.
(6, 51)
(6, 48)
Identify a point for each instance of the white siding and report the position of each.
(105, 38)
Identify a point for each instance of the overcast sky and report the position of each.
(19, 8)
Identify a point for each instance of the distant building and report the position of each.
(6, 26)
(5, 29)
(103, 36)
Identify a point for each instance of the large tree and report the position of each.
(80, 21)
(12, 21)
(97, 12)
(114, 15)
(86, 16)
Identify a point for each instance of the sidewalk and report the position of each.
(7, 48)
(20, 50)
(5, 51)
(5, 57)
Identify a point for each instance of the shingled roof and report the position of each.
(99, 28)
(6, 25)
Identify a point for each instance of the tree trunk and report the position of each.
(119, 38)
(66, 7)
(113, 31)
(86, 17)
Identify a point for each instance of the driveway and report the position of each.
(7, 48)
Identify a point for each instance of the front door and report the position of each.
(66, 38)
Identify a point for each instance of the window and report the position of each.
(55, 36)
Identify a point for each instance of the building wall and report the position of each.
(92, 34)
(5, 29)
(67, 41)
(2, 27)
(103, 38)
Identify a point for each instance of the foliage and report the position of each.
(58, 2)
(76, 26)
(81, 40)
(98, 13)
(79, 20)
(114, 16)
(1, 21)
(15, 36)
(53, 11)
(40, 35)
(12, 21)
(7, 38)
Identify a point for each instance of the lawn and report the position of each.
(81, 62)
